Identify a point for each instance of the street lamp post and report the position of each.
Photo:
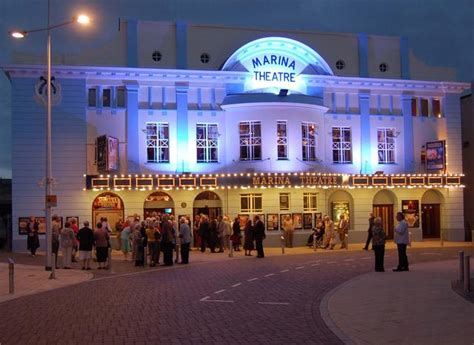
(81, 19)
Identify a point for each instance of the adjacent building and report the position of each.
(226, 121)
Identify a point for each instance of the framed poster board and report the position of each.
(243, 218)
(297, 220)
(317, 216)
(282, 219)
(23, 225)
(411, 210)
(42, 224)
(338, 208)
(272, 221)
(69, 218)
(436, 155)
(307, 221)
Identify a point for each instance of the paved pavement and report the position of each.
(417, 307)
(213, 300)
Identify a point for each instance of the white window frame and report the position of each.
(310, 202)
(386, 148)
(250, 141)
(251, 202)
(208, 143)
(158, 142)
(288, 195)
(340, 146)
(308, 141)
(282, 140)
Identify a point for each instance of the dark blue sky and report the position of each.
(440, 32)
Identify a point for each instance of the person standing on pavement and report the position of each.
(378, 244)
(74, 228)
(401, 239)
(227, 232)
(125, 236)
(259, 234)
(32, 241)
(369, 232)
(67, 241)
(343, 230)
(152, 242)
(289, 229)
(249, 238)
(220, 233)
(236, 235)
(101, 242)
(55, 231)
(85, 236)
(213, 235)
(119, 225)
(329, 229)
(168, 240)
(185, 238)
(204, 232)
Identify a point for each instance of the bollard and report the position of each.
(282, 244)
(346, 240)
(461, 266)
(177, 253)
(467, 273)
(441, 238)
(315, 246)
(11, 276)
(52, 275)
(409, 239)
(231, 249)
(109, 259)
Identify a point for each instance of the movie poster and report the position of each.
(435, 155)
(272, 221)
(107, 154)
(338, 208)
(410, 209)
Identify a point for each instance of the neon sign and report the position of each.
(276, 63)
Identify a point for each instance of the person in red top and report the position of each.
(75, 228)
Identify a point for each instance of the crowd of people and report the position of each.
(160, 233)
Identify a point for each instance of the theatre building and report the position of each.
(227, 121)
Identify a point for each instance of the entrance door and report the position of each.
(431, 220)
(211, 212)
(386, 213)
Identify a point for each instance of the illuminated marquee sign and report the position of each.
(276, 63)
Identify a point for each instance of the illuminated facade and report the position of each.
(274, 131)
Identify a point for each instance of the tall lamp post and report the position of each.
(49, 198)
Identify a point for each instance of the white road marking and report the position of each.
(270, 274)
(206, 299)
(220, 291)
(274, 303)
(439, 254)
(315, 265)
(299, 267)
(283, 271)
(235, 285)
(251, 280)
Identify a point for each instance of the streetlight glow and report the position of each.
(83, 19)
(18, 34)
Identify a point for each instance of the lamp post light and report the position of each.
(49, 198)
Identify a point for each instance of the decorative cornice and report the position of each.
(145, 75)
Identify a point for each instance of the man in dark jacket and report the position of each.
(259, 234)
(85, 236)
(204, 232)
(369, 232)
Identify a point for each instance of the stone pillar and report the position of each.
(182, 127)
(132, 129)
(365, 147)
(408, 148)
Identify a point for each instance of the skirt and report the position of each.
(102, 253)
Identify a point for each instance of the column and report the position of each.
(363, 55)
(408, 144)
(132, 128)
(132, 43)
(364, 106)
(181, 45)
(184, 155)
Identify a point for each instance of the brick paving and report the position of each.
(163, 306)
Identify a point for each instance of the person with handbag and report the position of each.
(378, 244)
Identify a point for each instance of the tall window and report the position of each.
(92, 97)
(284, 201)
(157, 142)
(424, 107)
(341, 145)
(308, 141)
(250, 140)
(282, 140)
(120, 97)
(436, 105)
(207, 143)
(310, 202)
(251, 203)
(106, 97)
(386, 145)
